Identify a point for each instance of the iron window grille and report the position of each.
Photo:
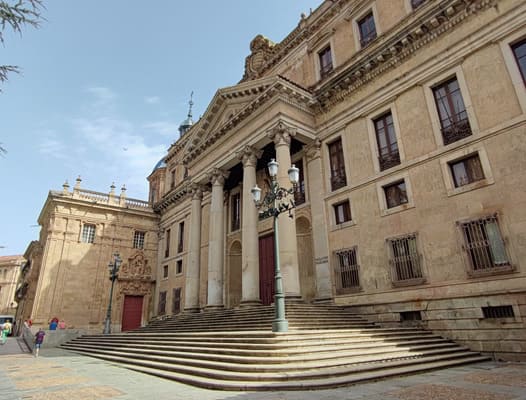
(88, 233)
(452, 112)
(498, 312)
(519, 51)
(485, 246)
(387, 144)
(367, 29)
(236, 212)
(325, 61)
(338, 178)
(395, 194)
(342, 212)
(347, 271)
(162, 303)
(466, 171)
(406, 264)
(138, 240)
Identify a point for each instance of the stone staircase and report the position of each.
(326, 346)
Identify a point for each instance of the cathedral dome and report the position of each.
(159, 165)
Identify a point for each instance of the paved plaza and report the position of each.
(61, 375)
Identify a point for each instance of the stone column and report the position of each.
(250, 238)
(288, 249)
(319, 222)
(216, 241)
(191, 292)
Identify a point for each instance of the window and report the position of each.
(165, 271)
(235, 211)
(484, 245)
(395, 194)
(138, 240)
(388, 155)
(180, 243)
(167, 244)
(466, 171)
(179, 267)
(498, 312)
(519, 51)
(88, 233)
(299, 194)
(405, 260)
(417, 3)
(409, 316)
(325, 57)
(342, 212)
(162, 303)
(367, 29)
(176, 301)
(172, 179)
(347, 270)
(452, 113)
(338, 178)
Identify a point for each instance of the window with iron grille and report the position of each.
(161, 309)
(167, 243)
(299, 194)
(342, 212)
(452, 113)
(466, 171)
(388, 155)
(417, 3)
(88, 233)
(180, 242)
(138, 240)
(405, 260)
(484, 245)
(337, 164)
(406, 316)
(176, 301)
(367, 29)
(325, 57)
(165, 271)
(395, 194)
(235, 201)
(179, 267)
(347, 270)
(498, 312)
(519, 51)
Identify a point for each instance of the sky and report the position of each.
(104, 87)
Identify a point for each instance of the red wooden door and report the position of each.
(266, 269)
(132, 312)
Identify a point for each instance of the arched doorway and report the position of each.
(233, 290)
(305, 258)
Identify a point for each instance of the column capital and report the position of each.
(281, 134)
(312, 150)
(249, 156)
(196, 190)
(217, 176)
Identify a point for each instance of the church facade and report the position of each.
(407, 121)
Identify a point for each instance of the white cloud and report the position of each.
(152, 100)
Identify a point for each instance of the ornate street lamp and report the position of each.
(275, 202)
(114, 270)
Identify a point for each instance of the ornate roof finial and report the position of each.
(188, 122)
(190, 103)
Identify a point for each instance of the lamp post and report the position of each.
(113, 269)
(275, 202)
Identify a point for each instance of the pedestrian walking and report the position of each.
(39, 338)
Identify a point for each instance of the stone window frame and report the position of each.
(233, 192)
(180, 236)
(165, 272)
(333, 226)
(321, 71)
(370, 8)
(384, 211)
(296, 159)
(317, 64)
(138, 241)
(81, 233)
(371, 132)
(178, 262)
(327, 142)
(420, 255)
(356, 268)
(447, 174)
(433, 111)
(173, 178)
(518, 83)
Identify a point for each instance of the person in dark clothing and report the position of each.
(39, 338)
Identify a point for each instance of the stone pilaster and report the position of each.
(249, 240)
(216, 242)
(191, 293)
(282, 134)
(319, 222)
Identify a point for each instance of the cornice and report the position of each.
(433, 21)
(173, 197)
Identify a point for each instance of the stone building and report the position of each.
(407, 119)
(9, 271)
(67, 273)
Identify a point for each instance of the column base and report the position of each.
(280, 325)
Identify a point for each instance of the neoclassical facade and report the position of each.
(66, 274)
(407, 119)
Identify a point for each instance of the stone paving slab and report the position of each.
(58, 374)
